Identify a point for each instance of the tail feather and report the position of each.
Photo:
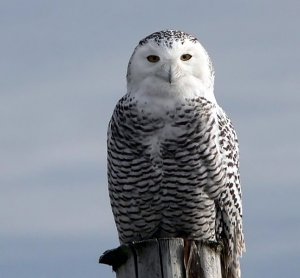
(231, 254)
(230, 268)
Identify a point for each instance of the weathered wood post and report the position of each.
(165, 258)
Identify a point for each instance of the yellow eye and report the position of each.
(153, 58)
(185, 57)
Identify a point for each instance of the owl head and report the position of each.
(170, 64)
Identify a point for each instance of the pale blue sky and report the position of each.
(62, 69)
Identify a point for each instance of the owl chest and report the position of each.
(167, 137)
(171, 143)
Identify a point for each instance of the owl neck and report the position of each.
(159, 91)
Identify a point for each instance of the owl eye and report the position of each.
(185, 57)
(153, 58)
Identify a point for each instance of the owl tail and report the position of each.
(231, 253)
(230, 268)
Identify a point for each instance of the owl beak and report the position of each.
(170, 75)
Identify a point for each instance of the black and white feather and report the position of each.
(173, 158)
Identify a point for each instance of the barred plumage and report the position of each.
(173, 154)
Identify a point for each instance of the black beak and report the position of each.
(170, 76)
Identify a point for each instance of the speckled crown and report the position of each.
(168, 37)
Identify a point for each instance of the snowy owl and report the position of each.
(173, 158)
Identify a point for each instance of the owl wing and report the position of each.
(229, 218)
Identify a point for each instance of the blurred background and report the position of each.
(62, 70)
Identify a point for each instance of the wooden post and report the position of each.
(165, 258)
